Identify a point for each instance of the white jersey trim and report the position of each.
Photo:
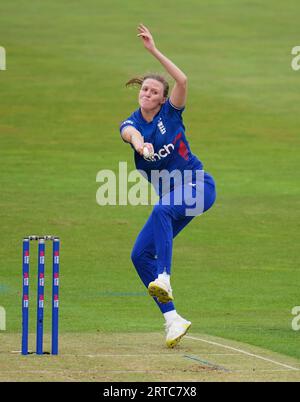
(177, 108)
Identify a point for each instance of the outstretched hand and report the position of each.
(146, 37)
(140, 149)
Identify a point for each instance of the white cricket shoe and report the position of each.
(161, 290)
(175, 330)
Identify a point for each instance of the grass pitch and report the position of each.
(62, 96)
(142, 357)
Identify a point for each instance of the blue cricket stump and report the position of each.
(40, 293)
(25, 297)
(40, 297)
(55, 299)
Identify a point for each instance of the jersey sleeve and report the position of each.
(173, 111)
(128, 122)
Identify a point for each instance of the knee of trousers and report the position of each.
(135, 257)
(142, 260)
(138, 257)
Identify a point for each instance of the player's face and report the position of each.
(151, 95)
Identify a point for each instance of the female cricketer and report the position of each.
(157, 135)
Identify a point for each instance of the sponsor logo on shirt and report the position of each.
(162, 153)
(167, 149)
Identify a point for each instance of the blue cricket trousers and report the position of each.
(152, 251)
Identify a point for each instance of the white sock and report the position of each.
(164, 278)
(170, 316)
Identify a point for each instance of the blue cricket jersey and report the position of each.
(166, 132)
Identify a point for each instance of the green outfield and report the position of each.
(62, 97)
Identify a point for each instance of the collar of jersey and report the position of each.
(145, 121)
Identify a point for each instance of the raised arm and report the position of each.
(179, 91)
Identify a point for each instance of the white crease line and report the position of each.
(106, 354)
(243, 352)
(122, 355)
(146, 355)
